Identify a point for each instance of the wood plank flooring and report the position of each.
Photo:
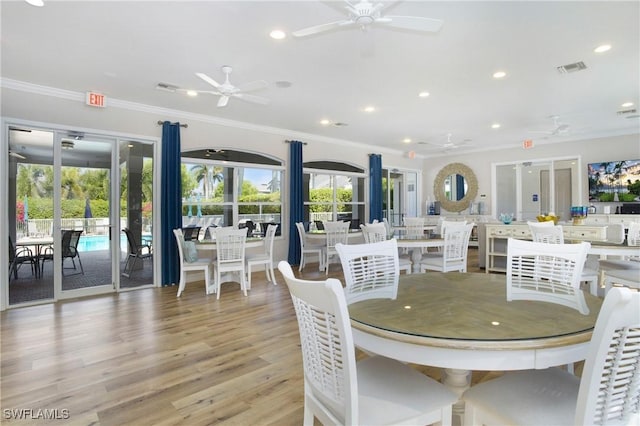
(146, 357)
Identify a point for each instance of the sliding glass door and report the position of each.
(69, 194)
(85, 252)
(30, 214)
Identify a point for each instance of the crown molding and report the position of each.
(38, 89)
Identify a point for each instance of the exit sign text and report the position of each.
(95, 99)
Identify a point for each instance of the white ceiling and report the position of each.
(124, 49)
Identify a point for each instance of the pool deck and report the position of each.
(97, 272)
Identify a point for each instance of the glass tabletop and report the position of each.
(469, 307)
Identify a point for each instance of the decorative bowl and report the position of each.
(548, 218)
(506, 218)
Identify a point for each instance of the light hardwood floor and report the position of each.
(148, 358)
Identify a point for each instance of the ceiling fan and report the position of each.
(227, 90)
(558, 129)
(448, 145)
(365, 14)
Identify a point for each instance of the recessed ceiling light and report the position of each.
(406, 140)
(325, 122)
(38, 3)
(495, 126)
(192, 93)
(627, 104)
(277, 34)
(423, 94)
(499, 74)
(602, 48)
(369, 108)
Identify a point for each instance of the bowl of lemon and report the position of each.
(548, 218)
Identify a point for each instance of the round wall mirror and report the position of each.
(455, 187)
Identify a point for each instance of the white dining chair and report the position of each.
(625, 277)
(376, 232)
(191, 262)
(309, 248)
(454, 253)
(443, 223)
(625, 263)
(230, 256)
(548, 232)
(546, 272)
(265, 258)
(340, 391)
(371, 270)
(607, 392)
(336, 233)
(414, 226)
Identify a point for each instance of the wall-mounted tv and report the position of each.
(614, 181)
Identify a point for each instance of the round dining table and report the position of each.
(463, 322)
(416, 243)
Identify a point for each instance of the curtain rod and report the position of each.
(160, 123)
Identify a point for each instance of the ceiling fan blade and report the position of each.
(211, 92)
(321, 28)
(252, 98)
(253, 85)
(223, 101)
(415, 23)
(16, 155)
(208, 80)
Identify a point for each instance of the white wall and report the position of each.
(588, 151)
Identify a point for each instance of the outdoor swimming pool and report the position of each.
(99, 242)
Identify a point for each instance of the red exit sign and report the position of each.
(95, 99)
(527, 144)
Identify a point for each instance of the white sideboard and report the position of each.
(496, 235)
(604, 219)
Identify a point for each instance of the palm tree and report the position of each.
(202, 173)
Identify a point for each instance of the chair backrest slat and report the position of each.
(371, 271)
(456, 242)
(230, 244)
(610, 386)
(546, 232)
(546, 272)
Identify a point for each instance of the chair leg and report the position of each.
(181, 283)
(243, 282)
(218, 283)
(80, 263)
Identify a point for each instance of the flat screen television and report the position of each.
(614, 181)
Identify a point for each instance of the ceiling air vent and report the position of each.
(626, 111)
(166, 87)
(576, 66)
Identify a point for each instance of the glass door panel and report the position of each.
(136, 213)
(507, 189)
(30, 214)
(85, 182)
